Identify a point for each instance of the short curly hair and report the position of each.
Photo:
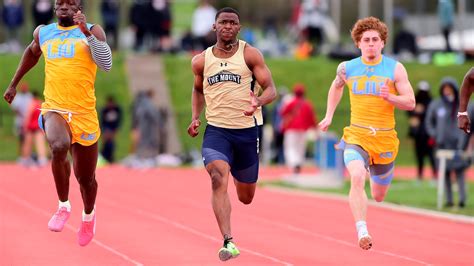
(370, 23)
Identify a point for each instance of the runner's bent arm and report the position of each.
(100, 50)
(198, 95)
(467, 88)
(197, 100)
(256, 63)
(405, 100)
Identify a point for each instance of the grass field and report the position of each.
(402, 192)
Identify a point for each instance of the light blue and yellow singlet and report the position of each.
(70, 74)
(372, 117)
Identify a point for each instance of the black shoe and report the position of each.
(461, 204)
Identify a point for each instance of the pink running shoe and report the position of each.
(86, 232)
(59, 219)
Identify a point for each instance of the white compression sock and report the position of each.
(66, 204)
(361, 227)
(88, 217)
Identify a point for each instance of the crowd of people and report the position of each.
(26, 107)
(309, 30)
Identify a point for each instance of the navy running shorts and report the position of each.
(238, 147)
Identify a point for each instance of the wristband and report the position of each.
(462, 114)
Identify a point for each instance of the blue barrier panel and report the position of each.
(325, 155)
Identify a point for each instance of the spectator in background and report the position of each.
(148, 122)
(134, 132)
(162, 130)
(160, 25)
(441, 124)
(145, 134)
(293, 28)
(297, 117)
(110, 10)
(187, 41)
(271, 44)
(423, 143)
(42, 12)
(139, 20)
(404, 43)
(277, 145)
(12, 16)
(33, 134)
(111, 118)
(311, 21)
(446, 19)
(203, 19)
(20, 107)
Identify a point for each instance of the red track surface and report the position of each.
(164, 217)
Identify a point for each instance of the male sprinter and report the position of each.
(72, 51)
(224, 79)
(377, 84)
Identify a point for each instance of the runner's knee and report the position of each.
(246, 198)
(87, 182)
(217, 180)
(358, 178)
(378, 196)
(381, 177)
(59, 148)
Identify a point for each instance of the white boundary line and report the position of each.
(325, 237)
(332, 239)
(386, 205)
(188, 229)
(28, 205)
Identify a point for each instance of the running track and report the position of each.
(164, 217)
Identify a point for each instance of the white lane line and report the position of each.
(183, 227)
(393, 207)
(28, 205)
(325, 237)
(332, 239)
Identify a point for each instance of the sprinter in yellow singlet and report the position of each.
(72, 50)
(225, 76)
(377, 85)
